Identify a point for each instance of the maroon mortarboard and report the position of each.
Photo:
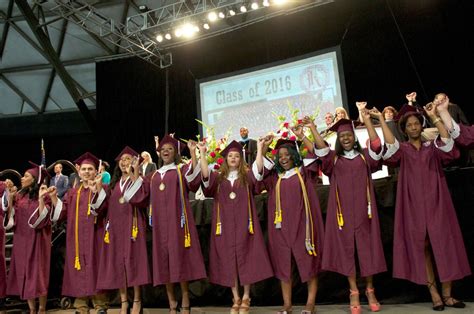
(232, 146)
(407, 110)
(88, 158)
(38, 171)
(127, 150)
(285, 142)
(168, 139)
(344, 125)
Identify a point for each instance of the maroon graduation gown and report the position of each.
(172, 262)
(28, 276)
(466, 136)
(290, 239)
(359, 232)
(81, 283)
(235, 249)
(3, 266)
(123, 262)
(424, 208)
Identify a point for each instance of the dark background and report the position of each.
(389, 48)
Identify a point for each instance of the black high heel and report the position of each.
(141, 307)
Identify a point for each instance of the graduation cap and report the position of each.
(38, 171)
(88, 158)
(232, 146)
(286, 142)
(168, 139)
(344, 125)
(407, 110)
(130, 151)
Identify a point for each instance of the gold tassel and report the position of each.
(77, 263)
(340, 221)
(218, 228)
(251, 228)
(134, 232)
(187, 240)
(107, 237)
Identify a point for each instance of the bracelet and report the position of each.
(436, 120)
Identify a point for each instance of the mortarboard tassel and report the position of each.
(369, 210)
(107, 235)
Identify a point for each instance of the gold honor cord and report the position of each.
(309, 236)
(134, 224)
(150, 209)
(187, 235)
(77, 263)
(309, 241)
(339, 216)
(218, 217)
(250, 211)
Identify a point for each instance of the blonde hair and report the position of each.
(346, 115)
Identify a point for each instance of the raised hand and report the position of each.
(43, 190)
(53, 192)
(267, 140)
(361, 105)
(430, 109)
(202, 147)
(411, 97)
(9, 184)
(307, 121)
(365, 113)
(11, 194)
(375, 113)
(298, 131)
(442, 104)
(157, 141)
(96, 184)
(192, 145)
(135, 164)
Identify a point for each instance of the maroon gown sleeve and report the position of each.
(446, 157)
(46, 220)
(211, 189)
(141, 197)
(193, 185)
(327, 163)
(394, 160)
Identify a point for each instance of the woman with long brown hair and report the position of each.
(238, 252)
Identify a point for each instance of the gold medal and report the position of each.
(121, 200)
(162, 186)
(232, 195)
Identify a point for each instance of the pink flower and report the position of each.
(212, 154)
(286, 125)
(274, 152)
(220, 160)
(216, 167)
(284, 134)
(300, 121)
(293, 138)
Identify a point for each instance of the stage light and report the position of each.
(254, 5)
(279, 2)
(196, 29)
(266, 3)
(243, 9)
(212, 16)
(206, 26)
(178, 32)
(168, 36)
(159, 38)
(231, 12)
(221, 15)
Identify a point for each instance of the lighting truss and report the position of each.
(88, 18)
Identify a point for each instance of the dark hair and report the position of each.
(402, 123)
(294, 155)
(33, 189)
(340, 151)
(115, 176)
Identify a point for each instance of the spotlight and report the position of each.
(212, 16)
(266, 3)
(243, 9)
(254, 6)
(178, 32)
(206, 26)
(279, 1)
(231, 12)
(143, 8)
(196, 29)
(168, 36)
(221, 15)
(159, 38)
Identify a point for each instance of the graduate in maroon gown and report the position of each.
(426, 228)
(462, 134)
(238, 252)
(28, 276)
(177, 256)
(124, 262)
(295, 224)
(81, 208)
(5, 187)
(352, 222)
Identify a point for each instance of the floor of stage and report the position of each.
(329, 309)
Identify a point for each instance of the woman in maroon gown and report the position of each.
(177, 256)
(238, 252)
(28, 276)
(426, 227)
(5, 187)
(352, 223)
(462, 134)
(295, 224)
(123, 262)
